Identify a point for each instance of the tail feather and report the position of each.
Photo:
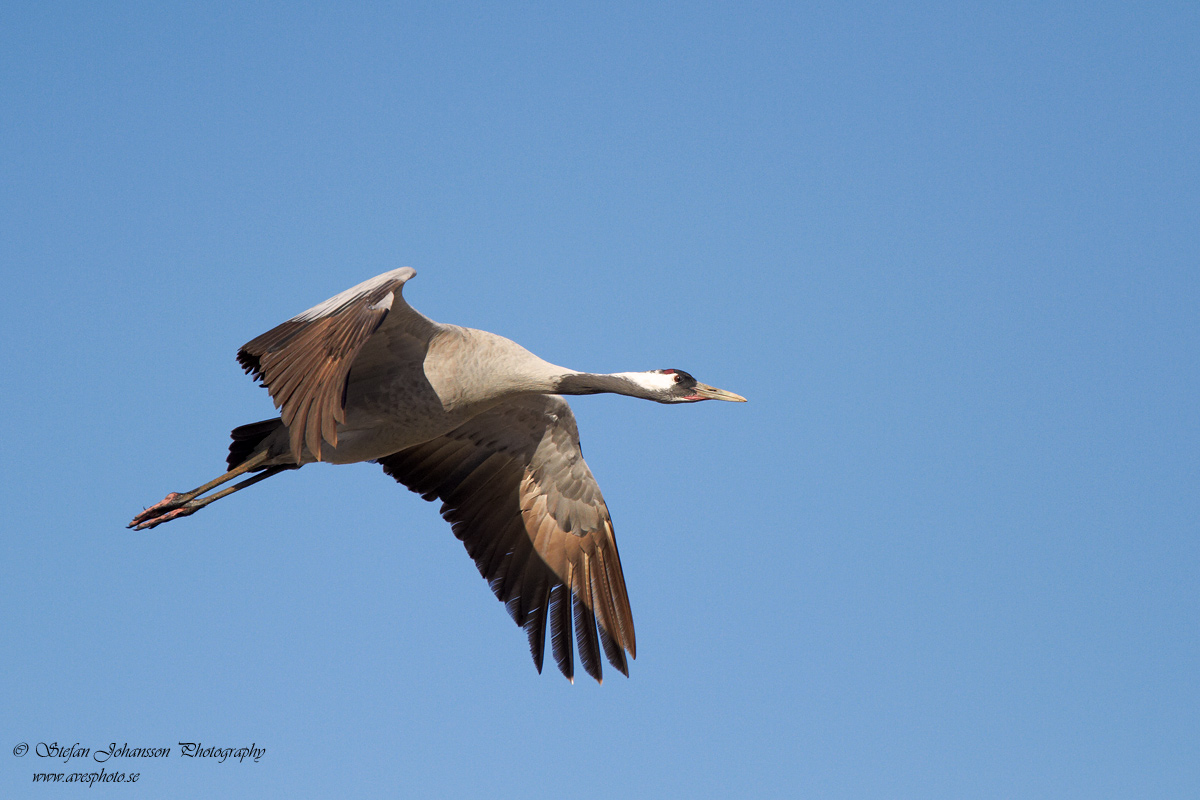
(246, 439)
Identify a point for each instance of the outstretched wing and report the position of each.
(514, 486)
(305, 361)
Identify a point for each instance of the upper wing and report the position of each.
(304, 362)
(519, 495)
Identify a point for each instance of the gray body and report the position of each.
(464, 416)
(416, 379)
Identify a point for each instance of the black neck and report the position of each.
(591, 383)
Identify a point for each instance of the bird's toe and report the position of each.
(187, 509)
(155, 513)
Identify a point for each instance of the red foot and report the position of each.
(160, 512)
(182, 511)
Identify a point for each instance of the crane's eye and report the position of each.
(678, 378)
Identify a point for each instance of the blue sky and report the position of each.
(948, 251)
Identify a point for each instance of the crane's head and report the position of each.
(677, 386)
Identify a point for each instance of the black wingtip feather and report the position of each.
(560, 631)
(535, 627)
(585, 625)
(250, 363)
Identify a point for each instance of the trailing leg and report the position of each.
(248, 452)
(174, 505)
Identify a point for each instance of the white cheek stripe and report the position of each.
(654, 381)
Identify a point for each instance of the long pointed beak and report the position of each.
(713, 393)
